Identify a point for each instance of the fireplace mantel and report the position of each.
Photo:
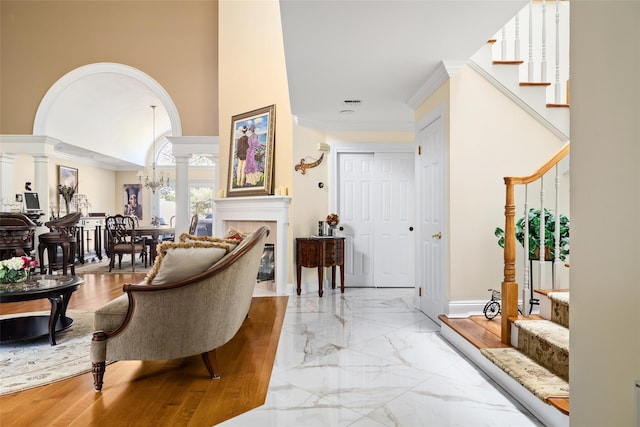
(259, 208)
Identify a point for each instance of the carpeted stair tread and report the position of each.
(537, 379)
(560, 297)
(551, 332)
(547, 343)
(560, 307)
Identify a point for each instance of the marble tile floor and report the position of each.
(369, 358)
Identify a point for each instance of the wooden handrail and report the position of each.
(516, 180)
(509, 289)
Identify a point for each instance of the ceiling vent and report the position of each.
(352, 102)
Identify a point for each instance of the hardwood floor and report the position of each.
(159, 393)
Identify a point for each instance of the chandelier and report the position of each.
(153, 182)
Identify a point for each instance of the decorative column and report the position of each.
(41, 182)
(183, 148)
(182, 193)
(6, 180)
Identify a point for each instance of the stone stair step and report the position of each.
(547, 343)
(536, 378)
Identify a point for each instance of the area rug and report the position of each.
(102, 267)
(535, 378)
(28, 364)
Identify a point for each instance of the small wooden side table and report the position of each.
(320, 252)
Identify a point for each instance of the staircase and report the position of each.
(528, 60)
(535, 369)
(527, 356)
(539, 360)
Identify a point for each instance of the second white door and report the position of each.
(376, 206)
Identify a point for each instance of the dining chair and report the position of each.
(63, 233)
(194, 225)
(170, 237)
(123, 240)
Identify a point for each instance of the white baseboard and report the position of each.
(466, 308)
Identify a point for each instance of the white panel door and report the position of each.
(431, 249)
(356, 176)
(394, 216)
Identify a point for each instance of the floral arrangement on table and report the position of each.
(16, 269)
(155, 221)
(333, 219)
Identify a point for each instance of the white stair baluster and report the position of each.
(543, 61)
(530, 77)
(541, 258)
(503, 44)
(557, 79)
(526, 287)
(516, 42)
(557, 262)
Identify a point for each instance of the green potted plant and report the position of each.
(534, 235)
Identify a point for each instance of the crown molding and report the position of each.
(444, 71)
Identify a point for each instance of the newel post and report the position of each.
(509, 286)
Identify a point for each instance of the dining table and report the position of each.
(153, 233)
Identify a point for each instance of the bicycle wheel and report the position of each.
(492, 309)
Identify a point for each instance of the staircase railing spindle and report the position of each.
(556, 282)
(543, 61)
(557, 75)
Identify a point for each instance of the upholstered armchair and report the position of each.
(194, 300)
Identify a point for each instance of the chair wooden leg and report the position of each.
(211, 362)
(98, 369)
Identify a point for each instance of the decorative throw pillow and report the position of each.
(186, 237)
(180, 260)
(234, 233)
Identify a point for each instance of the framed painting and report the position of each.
(251, 153)
(132, 200)
(68, 177)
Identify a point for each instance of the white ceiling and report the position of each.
(380, 52)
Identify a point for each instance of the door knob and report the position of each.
(438, 235)
(410, 228)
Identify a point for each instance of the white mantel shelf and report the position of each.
(259, 208)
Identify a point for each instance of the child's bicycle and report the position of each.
(492, 308)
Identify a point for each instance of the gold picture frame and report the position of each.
(251, 153)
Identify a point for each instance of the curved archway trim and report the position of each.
(68, 79)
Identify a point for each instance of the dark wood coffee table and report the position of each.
(57, 289)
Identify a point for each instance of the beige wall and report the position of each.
(252, 75)
(605, 201)
(489, 138)
(486, 138)
(90, 182)
(175, 42)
